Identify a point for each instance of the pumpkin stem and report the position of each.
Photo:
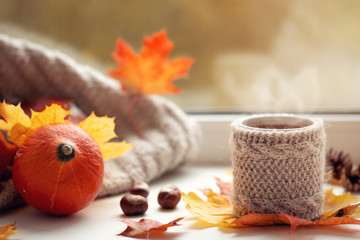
(65, 152)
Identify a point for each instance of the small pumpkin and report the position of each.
(58, 169)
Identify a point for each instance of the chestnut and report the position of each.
(169, 196)
(140, 188)
(133, 204)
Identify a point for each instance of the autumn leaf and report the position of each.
(343, 212)
(146, 227)
(334, 203)
(101, 129)
(19, 126)
(13, 115)
(8, 230)
(150, 72)
(216, 210)
(255, 219)
(53, 114)
(225, 187)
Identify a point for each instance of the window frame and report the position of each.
(342, 134)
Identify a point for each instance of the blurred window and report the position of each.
(251, 56)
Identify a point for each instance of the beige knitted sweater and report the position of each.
(29, 71)
(278, 170)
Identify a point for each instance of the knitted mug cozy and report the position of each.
(278, 163)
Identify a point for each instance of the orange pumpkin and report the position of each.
(58, 169)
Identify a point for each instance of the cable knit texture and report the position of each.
(278, 170)
(29, 71)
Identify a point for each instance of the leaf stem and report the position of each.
(134, 100)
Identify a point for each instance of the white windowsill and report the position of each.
(342, 131)
(100, 220)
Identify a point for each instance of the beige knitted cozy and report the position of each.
(278, 165)
(29, 71)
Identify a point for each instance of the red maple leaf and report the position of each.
(146, 227)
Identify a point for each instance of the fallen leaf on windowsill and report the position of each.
(145, 228)
(8, 230)
(217, 210)
(335, 203)
(225, 188)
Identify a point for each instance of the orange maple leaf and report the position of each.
(8, 230)
(146, 227)
(150, 72)
(217, 210)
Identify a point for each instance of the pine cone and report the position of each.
(336, 160)
(350, 177)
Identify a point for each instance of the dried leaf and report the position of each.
(205, 191)
(150, 72)
(146, 227)
(53, 114)
(343, 212)
(225, 187)
(13, 115)
(337, 221)
(334, 203)
(8, 230)
(101, 129)
(20, 126)
(216, 210)
(255, 219)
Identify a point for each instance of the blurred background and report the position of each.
(251, 56)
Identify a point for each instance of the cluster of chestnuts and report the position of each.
(135, 202)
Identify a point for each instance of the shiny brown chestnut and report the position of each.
(133, 204)
(169, 196)
(140, 188)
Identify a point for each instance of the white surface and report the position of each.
(342, 132)
(101, 219)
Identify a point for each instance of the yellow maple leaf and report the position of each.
(53, 114)
(19, 126)
(216, 210)
(101, 129)
(13, 115)
(8, 230)
(334, 202)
